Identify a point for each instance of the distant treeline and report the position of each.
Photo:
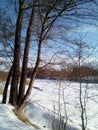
(72, 74)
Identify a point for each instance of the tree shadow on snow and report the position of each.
(56, 124)
(46, 119)
(37, 88)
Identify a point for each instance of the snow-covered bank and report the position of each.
(8, 121)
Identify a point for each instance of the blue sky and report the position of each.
(3, 3)
(89, 32)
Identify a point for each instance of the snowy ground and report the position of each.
(50, 97)
(8, 121)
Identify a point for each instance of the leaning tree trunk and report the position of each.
(35, 71)
(6, 85)
(17, 53)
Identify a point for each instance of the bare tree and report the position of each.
(17, 53)
(83, 91)
(82, 103)
(6, 40)
(46, 15)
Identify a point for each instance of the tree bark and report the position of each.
(33, 74)
(25, 59)
(6, 86)
(17, 53)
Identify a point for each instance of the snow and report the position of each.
(8, 121)
(49, 99)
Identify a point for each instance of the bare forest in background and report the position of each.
(88, 74)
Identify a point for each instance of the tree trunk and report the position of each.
(33, 74)
(25, 59)
(6, 86)
(17, 53)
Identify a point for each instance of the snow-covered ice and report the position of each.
(43, 107)
(48, 97)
